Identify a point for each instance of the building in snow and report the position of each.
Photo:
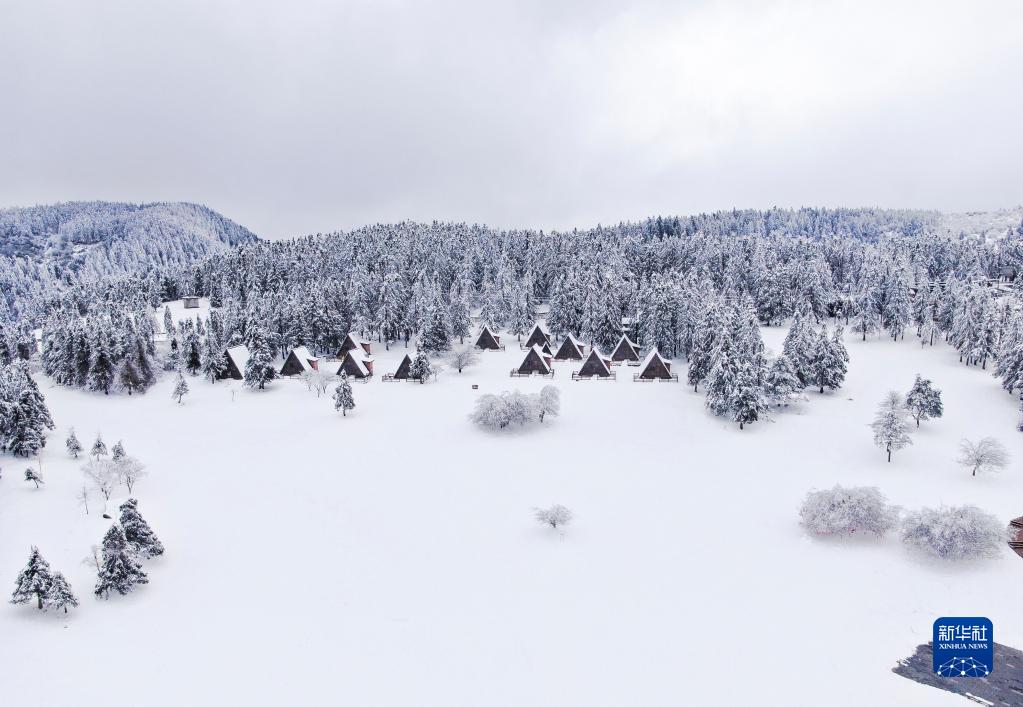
(235, 359)
(536, 362)
(596, 366)
(404, 372)
(537, 337)
(190, 301)
(300, 361)
(571, 349)
(1016, 535)
(654, 368)
(354, 341)
(625, 350)
(357, 364)
(488, 340)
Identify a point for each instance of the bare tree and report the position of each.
(129, 470)
(986, 455)
(102, 473)
(83, 498)
(34, 476)
(549, 402)
(93, 558)
(555, 516)
(463, 358)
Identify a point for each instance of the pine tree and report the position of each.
(101, 363)
(60, 596)
(435, 336)
(826, 363)
(137, 532)
(891, 432)
(798, 346)
(117, 453)
(128, 376)
(781, 384)
(343, 398)
(421, 369)
(173, 360)
(212, 359)
(168, 321)
(192, 351)
(34, 581)
(748, 402)
(180, 389)
(923, 400)
(722, 381)
(458, 315)
(33, 476)
(74, 447)
(99, 448)
(119, 570)
(259, 369)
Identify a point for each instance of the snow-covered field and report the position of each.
(390, 557)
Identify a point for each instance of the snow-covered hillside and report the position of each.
(391, 558)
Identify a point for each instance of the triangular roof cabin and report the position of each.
(352, 341)
(537, 337)
(654, 366)
(536, 361)
(625, 350)
(488, 340)
(595, 365)
(404, 371)
(571, 349)
(235, 359)
(356, 364)
(299, 361)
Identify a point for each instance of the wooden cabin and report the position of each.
(1016, 535)
(596, 366)
(190, 301)
(235, 359)
(625, 350)
(404, 372)
(354, 341)
(571, 349)
(537, 337)
(488, 340)
(300, 361)
(536, 361)
(357, 364)
(654, 367)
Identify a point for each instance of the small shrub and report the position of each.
(954, 533)
(555, 516)
(843, 511)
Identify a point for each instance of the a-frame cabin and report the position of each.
(571, 349)
(596, 365)
(654, 367)
(404, 372)
(357, 365)
(536, 361)
(299, 361)
(537, 337)
(488, 340)
(626, 350)
(235, 359)
(353, 341)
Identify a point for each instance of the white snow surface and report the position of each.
(391, 557)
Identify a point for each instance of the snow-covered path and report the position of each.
(390, 558)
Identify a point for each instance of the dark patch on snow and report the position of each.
(1004, 686)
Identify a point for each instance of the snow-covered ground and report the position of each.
(390, 557)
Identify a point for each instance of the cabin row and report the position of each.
(539, 357)
(354, 356)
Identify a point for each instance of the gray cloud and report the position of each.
(308, 116)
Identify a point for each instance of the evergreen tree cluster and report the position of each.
(24, 417)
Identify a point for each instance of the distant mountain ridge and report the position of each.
(105, 237)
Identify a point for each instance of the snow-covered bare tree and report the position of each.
(891, 431)
(556, 516)
(129, 470)
(844, 511)
(548, 402)
(34, 476)
(463, 358)
(102, 475)
(986, 455)
(955, 533)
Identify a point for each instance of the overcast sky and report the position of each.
(296, 117)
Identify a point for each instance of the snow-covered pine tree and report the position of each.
(34, 581)
(798, 347)
(259, 368)
(137, 532)
(705, 344)
(117, 453)
(891, 432)
(192, 350)
(168, 322)
(722, 381)
(458, 315)
(24, 417)
(74, 447)
(343, 398)
(99, 447)
(180, 389)
(211, 360)
(781, 385)
(128, 376)
(60, 596)
(119, 570)
(101, 363)
(173, 360)
(924, 400)
(519, 322)
(421, 369)
(435, 336)
(826, 363)
(33, 476)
